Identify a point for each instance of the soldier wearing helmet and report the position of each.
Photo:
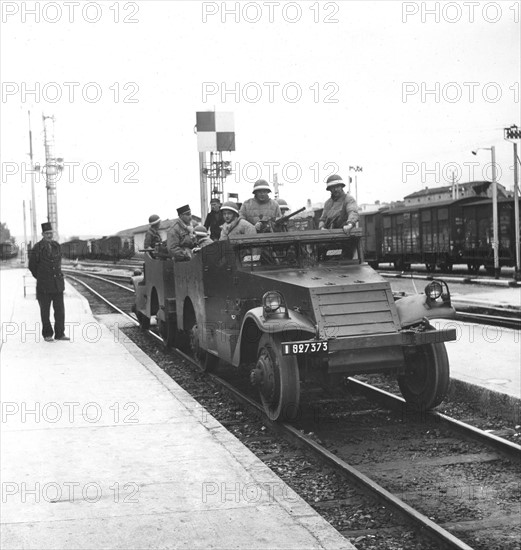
(341, 210)
(234, 224)
(284, 208)
(153, 236)
(203, 239)
(261, 208)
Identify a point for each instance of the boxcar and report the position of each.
(76, 249)
(440, 235)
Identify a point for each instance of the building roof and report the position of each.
(479, 187)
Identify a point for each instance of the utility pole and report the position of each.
(34, 232)
(494, 213)
(24, 248)
(512, 134)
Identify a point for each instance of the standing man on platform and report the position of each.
(214, 219)
(181, 238)
(341, 210)
(45, 261)
(260, 210)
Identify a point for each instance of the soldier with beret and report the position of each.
(181, 236)
(45, 265)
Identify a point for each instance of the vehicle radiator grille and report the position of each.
(355, 311)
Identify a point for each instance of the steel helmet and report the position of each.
(229, 205)
(261, 185)
(200, 231)
(154, 218)
(334, 180)
(283, 204)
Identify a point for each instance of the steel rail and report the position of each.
(94, 276)
(492, 320)
(362, 481)
(512, 450)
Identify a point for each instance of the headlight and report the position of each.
(433, 290)
(272, 301)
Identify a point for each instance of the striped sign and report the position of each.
(215, 131)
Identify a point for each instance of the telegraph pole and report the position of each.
(512, 134)
(34, 232)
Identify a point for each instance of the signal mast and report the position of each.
(53, 166)
(215, 134)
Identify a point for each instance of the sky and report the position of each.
(402, 90)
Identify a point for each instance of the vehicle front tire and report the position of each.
(278, 380)
(426, 380)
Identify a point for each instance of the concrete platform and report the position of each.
(101, 449)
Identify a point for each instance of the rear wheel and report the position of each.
(277, 378)
(446, 267)
(430, 267)
(143, 320)
(205, 361)
(426, 380)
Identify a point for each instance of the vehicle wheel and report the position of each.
(167, 331)
(143, 320)
(205, 361)
(430, 267)
(426, 380)
(406, 267)
(473, 268)
(446, 267)
(277, 377)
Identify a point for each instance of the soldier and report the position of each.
(234, 224)
(181, 237)
(341, 210)
(202, 237)
(284, 208)
(214, 219)
(45, 265)
(153, 236)
(261, 208)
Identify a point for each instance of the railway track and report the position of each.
(485, 315)
(396, 452)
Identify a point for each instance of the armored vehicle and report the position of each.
(289, 306)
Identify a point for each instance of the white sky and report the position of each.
(168, 55)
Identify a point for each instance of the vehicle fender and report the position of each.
(293, 327)
(413, 309)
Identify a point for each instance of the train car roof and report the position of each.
(422, 206)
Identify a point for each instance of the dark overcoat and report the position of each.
(45, 262)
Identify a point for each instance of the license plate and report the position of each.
(304, 348)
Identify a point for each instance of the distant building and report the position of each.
(138, 233)
(457, 191)
(372, 207)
